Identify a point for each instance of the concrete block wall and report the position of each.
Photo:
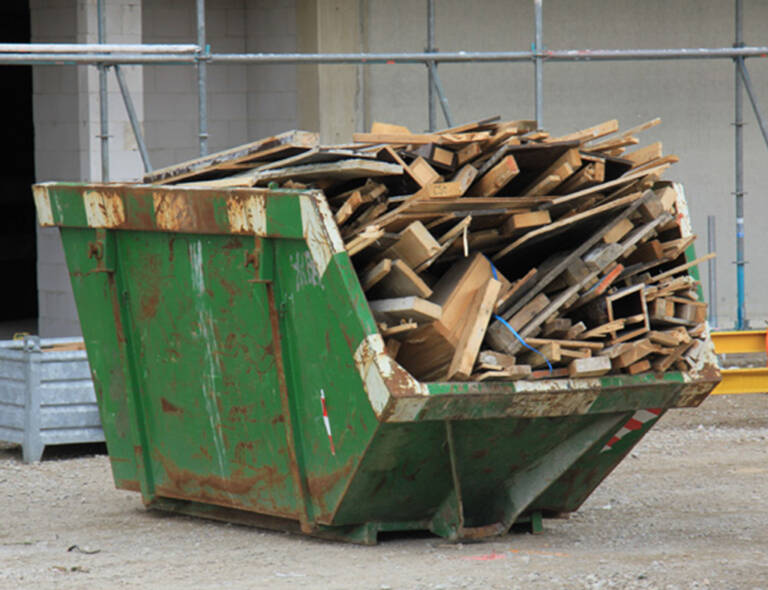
(56, 100)
(245, 103)
(272, 90)
(66, 119)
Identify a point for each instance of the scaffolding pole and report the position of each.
(202, 80)
(103, 102)
(538, 48)
(431, 67)
(738, 125)
(564, 55)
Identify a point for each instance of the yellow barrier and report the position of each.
(747, 380)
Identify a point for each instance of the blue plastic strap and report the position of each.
(523, 342)
(511, 329)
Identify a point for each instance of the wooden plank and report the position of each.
(379, 127)
(363, 240)
(405, 308)
(414, 245)
(387, 154)
(473, 332)
(519, 286)
(556, 327)
(555, 174)
(645, 154)
(633, 353)
(576, 331)
(271, 148)
(398, 330)
(639, 367)
(377, 273)
(605, 329)
(514, 373)
(421, 138)
(423, 172)
(455, 289)
(518, 221)
(589, 175)
(401, 281)
(468, 153)
(341, 170)
(455, 231)
(590, 133)
(496, 178)
(608, 145)
(549, 352)
(681, 268)
(565, 343)
(528, 312)
(618, 231)
(643, 126)
(492, 357)
(473, 125)
(465, 176)
(589, 367)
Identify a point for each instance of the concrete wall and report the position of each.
(694, 99)
(245, 103)
(66, 117)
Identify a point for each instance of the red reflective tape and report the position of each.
(612, 442)
(656, 411)
(633, 424)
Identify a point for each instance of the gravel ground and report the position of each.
(688, 509)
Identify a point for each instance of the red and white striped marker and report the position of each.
(636, 422)
(327, 422)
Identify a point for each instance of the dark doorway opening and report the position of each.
(18, 251)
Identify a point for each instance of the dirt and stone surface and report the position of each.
(688, 509)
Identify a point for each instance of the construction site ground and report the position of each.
(687, 509)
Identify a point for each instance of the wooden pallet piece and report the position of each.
(269, 148)
(590, 133)
(639, 367)
(511, 374)
(549, 352)
(618, 231)
(496, 178)
(402, 281)
(559, 171)
(492, 357)
(372, 276)
(529, 219)
(633, 353)
(588, 176)
(473, 332)
(405, 308)
(589, 367)
(423, 172)
(414, 245)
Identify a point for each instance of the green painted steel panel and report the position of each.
(220, 325)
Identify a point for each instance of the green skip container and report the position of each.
(240, 376)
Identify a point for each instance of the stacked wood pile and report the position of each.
(492, 251)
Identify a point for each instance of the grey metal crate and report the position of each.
(46, 396)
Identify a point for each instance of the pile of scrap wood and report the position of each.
(492, 251)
